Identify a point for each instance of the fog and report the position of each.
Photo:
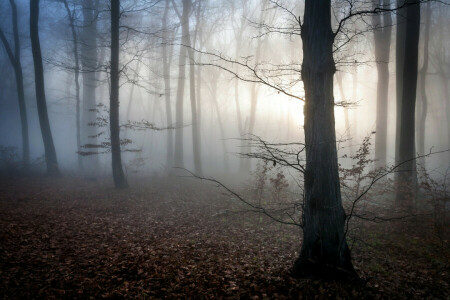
(277, 117)
(221, 148)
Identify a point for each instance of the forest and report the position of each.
(238, 149)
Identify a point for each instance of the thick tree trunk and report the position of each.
(89, 65)
(166, 74)
(423, 95)
(17, 65)
(324, 249)
(118, 175)
(407, 176)
(70, 15)
(50, 152)
(382, 38)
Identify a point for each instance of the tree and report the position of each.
(186, 50)
(382, 37)
(184, 19)
(423, 109)
(407, 177)
(324, 247)
(118, 175)
(89, 61)
(166, 75)
(71, 16)
(50, 152)
(14, 58)
(196, 140)
(399, 61)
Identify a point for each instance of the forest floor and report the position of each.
(169, 238)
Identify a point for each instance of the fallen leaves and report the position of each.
(164, 239)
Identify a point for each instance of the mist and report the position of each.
(280, 108)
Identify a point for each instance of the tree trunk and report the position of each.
(89, 63)
(118, 175)
(423, 95)
(180, 91)
(407, 177)
(196, 142)
(17, 65)
(166, 74)
(324, 249)
(50, 152)
(70, 15)
(399, 62)
(382, 38)
(346, 117)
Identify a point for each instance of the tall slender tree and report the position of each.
(167, 88)
(423, 108)
(399, 62)
(179, 150)
(118, 174)
(382, 37)
(14, 58)
(71, 16)
(196, 140)
(89, 61)
(50, 152)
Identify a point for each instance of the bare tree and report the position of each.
(167, 88)
(324, 246)
(50, 152)
(118, 175)
(71, 16)
(399, 62)
(89, 62)
(382, 36)
(423, 108)
(14, 58)
(186, 49)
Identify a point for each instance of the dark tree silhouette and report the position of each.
(71, 16)
(118, 175)
(14, 58)
(324, 248)
(50, 152)
(407, 177)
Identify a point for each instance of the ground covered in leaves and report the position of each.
(175, 238)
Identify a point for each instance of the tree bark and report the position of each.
(17, 65)
(324, 249)
(382, 37)
(50, 152)
(118, 175)
(407, 176)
